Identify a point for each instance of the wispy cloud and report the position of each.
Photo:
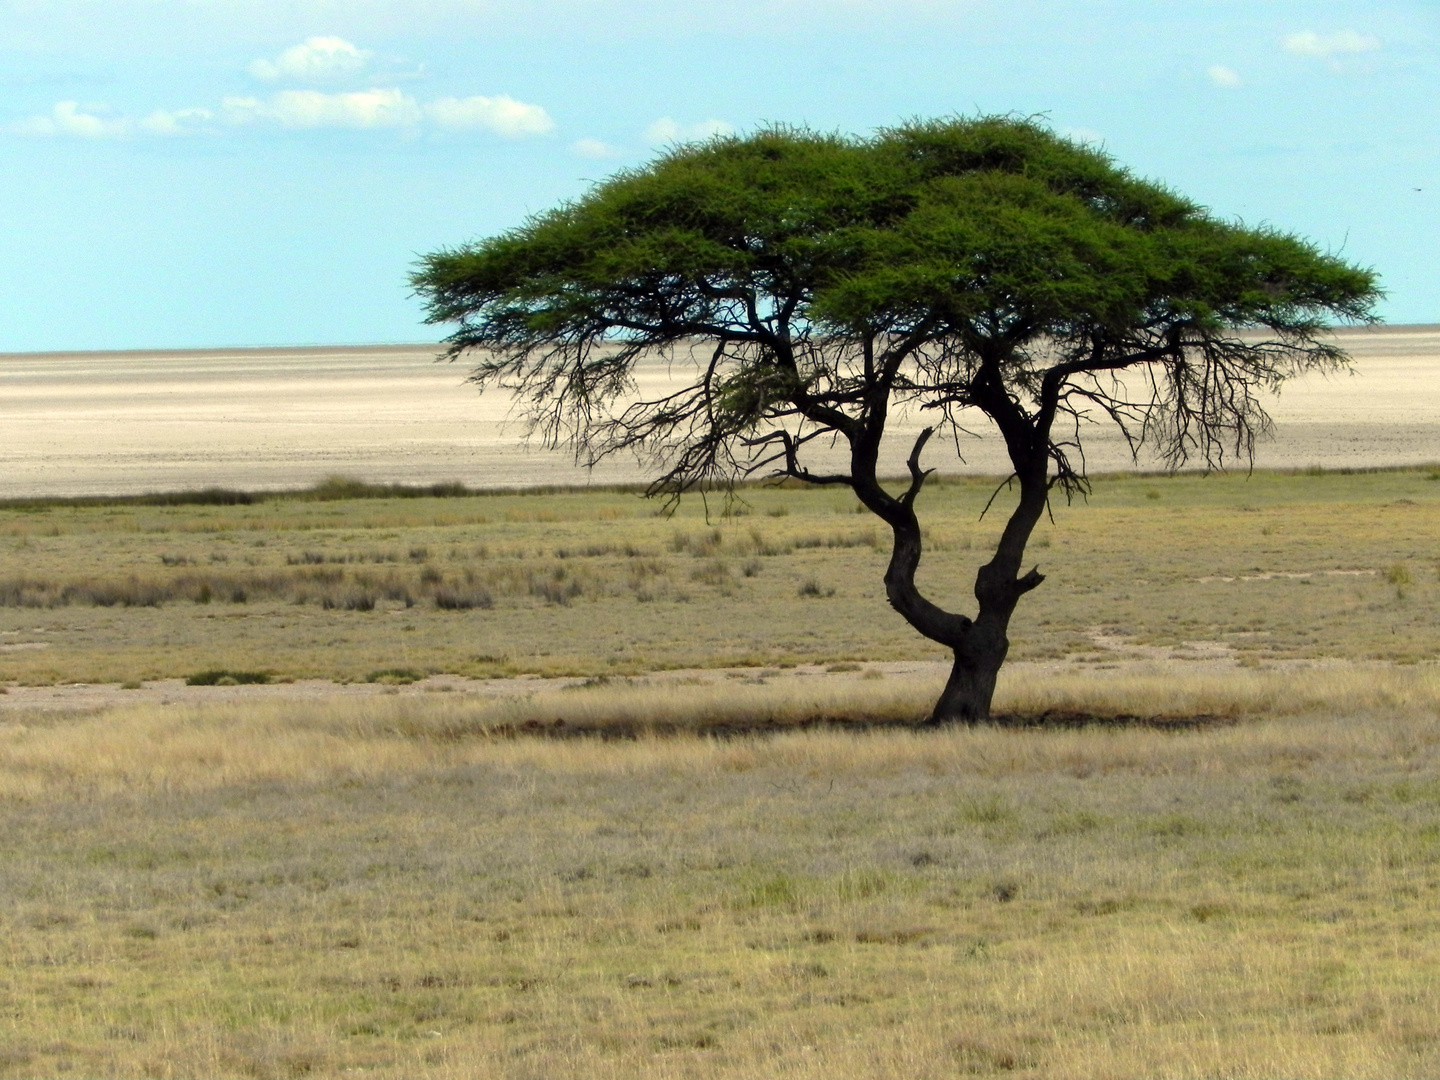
(178, 122)
(595, 149)
(70, 118)
(302, 110)
(1326, 46)
(1225, 77)
(309, 109)
(317, 59)
(666, 130)
(305, 109)
(502, 115)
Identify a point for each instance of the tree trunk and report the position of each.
(971, 686)
(980, 644)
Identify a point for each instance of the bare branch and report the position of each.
(996, 494)
(917, 477)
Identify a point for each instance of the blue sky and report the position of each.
(192, 173)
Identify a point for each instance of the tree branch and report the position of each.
(917, 477)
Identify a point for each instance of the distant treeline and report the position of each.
(334, 489)
(337, 488)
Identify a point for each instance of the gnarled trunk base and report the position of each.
(970, 688)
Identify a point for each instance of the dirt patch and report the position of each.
(254, 419)
(1147, 662)
(90, 697)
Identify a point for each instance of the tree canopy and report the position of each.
(947, 265)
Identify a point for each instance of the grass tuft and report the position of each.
(395, 676)
(225, 677)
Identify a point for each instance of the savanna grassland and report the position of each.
(308, 890)
(592, 583)
(398, 885)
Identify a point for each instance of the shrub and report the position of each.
(129, 593)
(715, 572)
(708, 544)
(395, 676)
(450, 599)
(395, 591)
(24, 592)
(222, 677)
(836, 540)
(555, 592)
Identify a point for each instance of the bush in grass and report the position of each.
(224, 677)
(451, 599)
(395, 676)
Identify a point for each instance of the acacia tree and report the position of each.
(814, 283)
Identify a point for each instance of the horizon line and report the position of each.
(1382, 327)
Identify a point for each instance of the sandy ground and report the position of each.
(71, 698)
(115, 423)
(87, 697)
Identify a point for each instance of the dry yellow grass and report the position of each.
(180, 746)
(145, 750)
(300, 889)
(1273, 566)
(287, 888)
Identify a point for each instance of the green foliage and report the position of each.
(973, 215)
(832, 273)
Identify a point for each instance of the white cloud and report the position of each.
(318, 59)
(301, 110)
(1220, 75)
(503, 115)
(666, 130)
(1309, 43)
(178, 122)
(308, 109)
(594, 148)
(70, 118)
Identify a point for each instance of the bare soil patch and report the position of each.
(1131, 661)
(255, 419)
